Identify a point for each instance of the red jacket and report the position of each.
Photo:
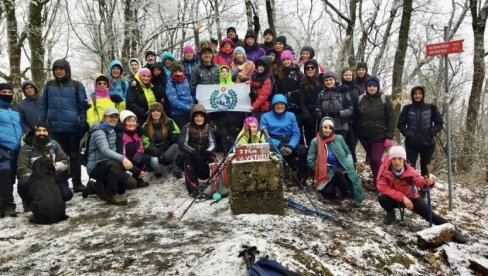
(261, 103)
(407, 185)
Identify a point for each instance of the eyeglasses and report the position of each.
(310, 68)
(100, 83)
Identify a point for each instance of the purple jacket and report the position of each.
(254, 52)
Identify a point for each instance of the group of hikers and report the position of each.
(139, 119)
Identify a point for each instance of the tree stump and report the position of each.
(256, 187)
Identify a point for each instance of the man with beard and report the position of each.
(38, 143)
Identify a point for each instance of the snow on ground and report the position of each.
(141, 239)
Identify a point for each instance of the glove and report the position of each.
(286, 150)
(116, 98)
(388, 143)
(318, 113)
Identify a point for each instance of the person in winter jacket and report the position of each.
(167, 58)
(159, 82)
(419, 122)
(288, 83)
(253, 50)
(28, 108)
(196, 144)
(225, 75)
(280, 46)
(309, 92)
(250, 133)
(179, 95)
(99, 100)
(105, 164)
(118, 85)
(132, 67)
(307, 53)
(335, 103)
(232, 35)
(141, 96)
(226, 54)
(207, 72)
(268, 37)
(261, 86)
(348, 86)
(362, 76)
(189, 60)
(332, 162)
(150, 58)
(242, 68)
(284, 134)
(160, 138)
(38, 143)
(398, 185)
(63, 105)
(9, 145)
(375, 124)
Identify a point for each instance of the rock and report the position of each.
(256, 187)
(435, 236)
(480, 266)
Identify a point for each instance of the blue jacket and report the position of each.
(180, 97)
(10, 134)
(283, 128)
(120, 86)
(188, 65)
(28, 109)
(103, 146)
(63, 103)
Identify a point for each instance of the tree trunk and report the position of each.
(14, 43)
(128, 31)
(36, 42)
(270, 14)
(249, 14)
(399, 62)
(217, 19)
(478, 25)
(350, 33)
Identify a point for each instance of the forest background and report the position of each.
(390, 35)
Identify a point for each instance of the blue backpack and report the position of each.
(266, 267)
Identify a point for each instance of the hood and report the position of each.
(128, 65)
(27, 82)
(223, 80)
(115, 63)
(279, 98)
(227, 39)
(308, 49)
(62, 63)
(159, 65)
(167, 55)
(266, 61)
(199, 108)
(412, 91)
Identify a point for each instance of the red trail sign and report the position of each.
(444, 48)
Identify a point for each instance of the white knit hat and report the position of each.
(124, 114)
(397, 151)
(327, 121)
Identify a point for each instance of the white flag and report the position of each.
(229, 97)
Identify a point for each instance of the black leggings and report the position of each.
(337, 183)
(113, 176)
(419, 207)
(425, 157)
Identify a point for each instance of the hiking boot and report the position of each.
(99, 188)
(117, 199)
(346, 205)
(141, 183)
(26, 207)
(459, 237)
(390, 217)
(78, 187)
(176, 172)
(130, 183)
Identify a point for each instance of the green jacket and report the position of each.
(341, 151)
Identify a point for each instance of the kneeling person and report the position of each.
(38, 143)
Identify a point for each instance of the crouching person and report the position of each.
(196, 144)
(398, 184)
(334, 168)
(38, 143)
(250, 133)
(104, 163)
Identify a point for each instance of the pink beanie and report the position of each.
(145, 72)
(286, 54)
(188, 49)
(250, 120)
(397, 151)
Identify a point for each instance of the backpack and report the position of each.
(219, 183)
(266, 267)
(85, 146)
(54, 146)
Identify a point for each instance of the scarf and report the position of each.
(101, 92)
(178, 78)
(227, 51)
(321, 160)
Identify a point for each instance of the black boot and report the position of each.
(390, 217)
(78, 187)
(141, 183)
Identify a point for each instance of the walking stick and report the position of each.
(429, 201)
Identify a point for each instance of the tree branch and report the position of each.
(345, 18)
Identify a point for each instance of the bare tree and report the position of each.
(270, 12)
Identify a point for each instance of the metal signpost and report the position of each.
(439, 49)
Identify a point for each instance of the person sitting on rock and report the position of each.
(250, 133)
(399, 183)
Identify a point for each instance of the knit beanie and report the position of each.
(6, 86)
(231, 29)
(102, 77)
(281, 39)
(286, 54)
(188, 49)
(250, 120)
(269, 31)
(308, 49)
(177, 66)
(250, 33)
(145, 72)
(149, 52)
(362, 64)
(329, 74)
(373, 81)
(124, 114)
(328, 121)
(240, 49)
(397, 151)
(43, 124)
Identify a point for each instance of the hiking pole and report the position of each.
(268, 139)
(217, 171)
(429, 201)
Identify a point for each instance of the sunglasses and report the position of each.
(310, 68)
(100, 83)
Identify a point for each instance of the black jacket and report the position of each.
(419, 123)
